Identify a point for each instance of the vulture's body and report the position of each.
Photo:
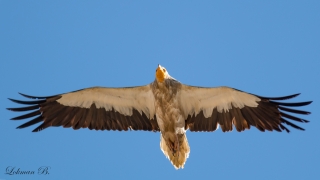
(165, 105)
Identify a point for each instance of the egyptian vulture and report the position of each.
(165, 105)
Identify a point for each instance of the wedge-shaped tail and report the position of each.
(179, 159)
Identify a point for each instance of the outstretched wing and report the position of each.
(94, 108)
(207, 108)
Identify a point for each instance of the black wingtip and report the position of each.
(292, 104)
(293, 117)
(310, 102)
(32, 122)
(36, 130)
(284, 128)
(306, 103)
(294, 110)
(290, 96)
(295, 95)
(28, 108)
(280, 98)
(27, 96)
(16, 101)
(34, 97)
(27, 102)
(11, 99)
(291, 124)
(34, 113)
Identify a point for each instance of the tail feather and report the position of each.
(179, 159)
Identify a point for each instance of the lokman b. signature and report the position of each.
(12, 170)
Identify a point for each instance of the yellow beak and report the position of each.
(160, 74)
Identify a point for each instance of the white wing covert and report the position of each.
(207, 108)
(96, 108)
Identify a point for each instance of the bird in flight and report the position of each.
(165, 105)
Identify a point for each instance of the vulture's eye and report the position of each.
(164, 70)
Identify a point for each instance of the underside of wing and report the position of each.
(209, 108)
(94, 108)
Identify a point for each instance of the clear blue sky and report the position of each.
(266, 48)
